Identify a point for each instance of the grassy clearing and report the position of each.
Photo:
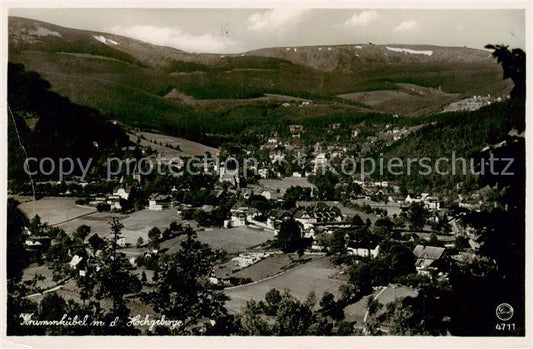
(272, 265)
(356, 311)
(38, 270)
(232, 240)
(186, 147)
(285, 183)
(54, 210)
(136, 224)
(314, 277)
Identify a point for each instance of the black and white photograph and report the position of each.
(333, 172)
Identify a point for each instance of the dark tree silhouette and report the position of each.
(289, 236)
(514, 67)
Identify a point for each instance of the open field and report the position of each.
(285, 183)
(190, 100)
(391, 207)
(54, 210)
(136, 224)
(235, 239)
(186, 147)
(385, 295)
(409, 99)
(43, 270)
(231, 240)
(267, 267)
(99, 223)
(313, 276)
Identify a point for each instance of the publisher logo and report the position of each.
(504, 311)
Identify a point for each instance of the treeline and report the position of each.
(225, 64)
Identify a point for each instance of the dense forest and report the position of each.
(45, 124)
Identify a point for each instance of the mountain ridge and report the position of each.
(142, 84)
(281, 52)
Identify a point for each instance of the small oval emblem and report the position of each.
(504, 311)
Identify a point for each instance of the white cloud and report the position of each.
(362, 19)
(275, 19)
(177, 38)
(406, 27)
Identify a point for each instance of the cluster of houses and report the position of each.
(430, 202)
(473, 103)
(314, 219)
(156, 201)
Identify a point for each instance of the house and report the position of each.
(305, 219)
(75, 261)
(430, 202)
(319, 162)
(114, 202)
(96, 242)
(263, 172)
(395, 199)
(363, 249)
(252, 214)
(121, 192)
(271, 194)
(426, 257)
(238, 215)
(278, 157)
(34, 243)
(158, 202)
(121, 242)
(296, 128)
(230, 176)
(276, 217)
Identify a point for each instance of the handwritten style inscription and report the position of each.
(84, 321)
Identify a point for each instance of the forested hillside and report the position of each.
(49, 125)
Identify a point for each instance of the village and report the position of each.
(247, 218)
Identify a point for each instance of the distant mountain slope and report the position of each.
(468, 135)
(361, 56)
(131, 80)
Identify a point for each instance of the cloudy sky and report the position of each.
(239, 30)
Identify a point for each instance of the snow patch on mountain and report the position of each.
(408, 50)
(104, 40)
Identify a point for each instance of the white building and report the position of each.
(319, 162)
(230, 176)
(364, 251)
(122, 192)
(238, 215)
(158, 202)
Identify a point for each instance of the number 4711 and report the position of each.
(505, 327)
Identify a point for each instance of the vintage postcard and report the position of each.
(266, 174)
